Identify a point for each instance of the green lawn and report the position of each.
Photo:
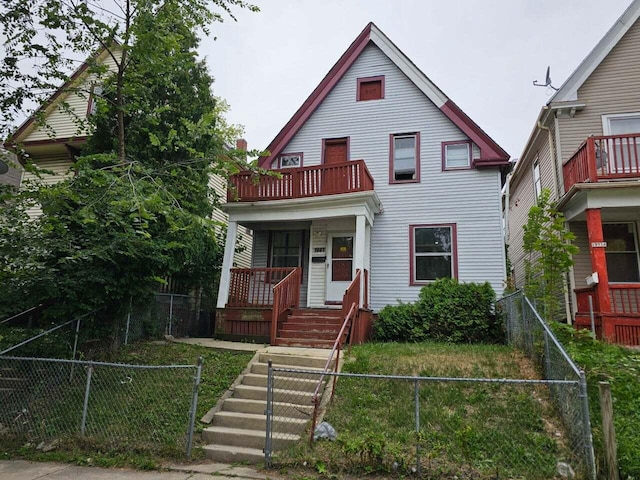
(135, 417)
(468, 430)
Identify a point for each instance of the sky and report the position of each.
(483, 54)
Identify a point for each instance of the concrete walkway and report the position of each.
(23, 470)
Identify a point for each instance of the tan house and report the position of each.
(585, 148)
(52, 137)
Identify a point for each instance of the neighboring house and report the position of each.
(384, 185)
(585, 148)
(52, 138)
(14, 172)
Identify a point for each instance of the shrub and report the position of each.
(447, 311)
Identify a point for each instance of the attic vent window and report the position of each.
(370, 88)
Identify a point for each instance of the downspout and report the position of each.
(556, 180)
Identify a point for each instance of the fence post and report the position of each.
(608, 431)
(194, 406)
(547, 355)
(126, 331)
(269, 414)
(85, 406)
(416, 395)
(75, 350)
(170, 311)
(593, 322)
(586, 428)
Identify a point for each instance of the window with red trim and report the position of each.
(370, 88)
(433, 252)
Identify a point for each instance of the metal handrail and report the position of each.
(336, 347)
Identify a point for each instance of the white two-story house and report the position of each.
(383, 185)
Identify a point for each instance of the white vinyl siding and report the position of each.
(470, 199)
(59, 165)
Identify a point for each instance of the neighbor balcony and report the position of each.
(303, 182)
(604, 158)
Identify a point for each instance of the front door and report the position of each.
(339, 266)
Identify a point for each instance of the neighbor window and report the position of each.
(404, 158)
(432, 252)
(287, 160)
(456, 155)
(537, 185)
(370, 88)
(621, 252)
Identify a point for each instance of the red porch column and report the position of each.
(599, 265)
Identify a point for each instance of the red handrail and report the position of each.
(317, 180)
(286, 295)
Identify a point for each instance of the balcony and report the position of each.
(604, 158)
(293, 183)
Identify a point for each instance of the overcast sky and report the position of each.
(483, 54)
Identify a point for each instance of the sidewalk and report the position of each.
(23, 470)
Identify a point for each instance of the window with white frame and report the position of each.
(537, 183)
(287, 160)
(405, 158)
(456, 155)
(432, 252)
(621, 252)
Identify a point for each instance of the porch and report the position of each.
(603, 158)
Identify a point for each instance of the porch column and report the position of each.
(599, 265)
(227, 263)
(360, 251)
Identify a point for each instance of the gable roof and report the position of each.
(569, 89)
(491, 154)
(48, 105)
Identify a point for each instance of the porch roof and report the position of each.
(353, 204)
(607, 195)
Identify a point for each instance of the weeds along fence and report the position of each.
(527, 331)
(434, 427)
(107, 405)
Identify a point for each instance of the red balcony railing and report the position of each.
(301, 182)
(604, 158)
(625, 298)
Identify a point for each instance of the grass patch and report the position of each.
(620, 367)
(468, 430)
(135, 418)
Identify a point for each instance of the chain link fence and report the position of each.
(115, 406)
(527, 331)
(435, 427)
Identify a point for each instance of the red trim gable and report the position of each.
(317, 96)
(491, 154)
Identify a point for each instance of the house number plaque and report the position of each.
(598, 244)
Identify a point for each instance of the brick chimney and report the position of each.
(241, 144)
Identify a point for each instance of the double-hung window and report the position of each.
(433, 252)
(621, 252)
(404, 161)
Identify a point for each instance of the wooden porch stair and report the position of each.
(310, 327)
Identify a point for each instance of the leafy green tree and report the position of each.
(137, 209)
(548, 245)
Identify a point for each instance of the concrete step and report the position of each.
(239, 437)
(283, 383)
(253, 421)
(232, 454)
(260, 393)
(291, 361)
(263, 369)
(246, 405)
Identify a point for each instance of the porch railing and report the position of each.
(286, 295)
(625, 298)
(606, 157)
(253, 287)
(318, 180)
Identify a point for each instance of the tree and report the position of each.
(137, 209)
(548, 245)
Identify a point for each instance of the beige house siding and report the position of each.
(522, 197)
(582, 260)
(59, 165)
(613, 87)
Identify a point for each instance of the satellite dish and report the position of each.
(4, 168)
(547, 80)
